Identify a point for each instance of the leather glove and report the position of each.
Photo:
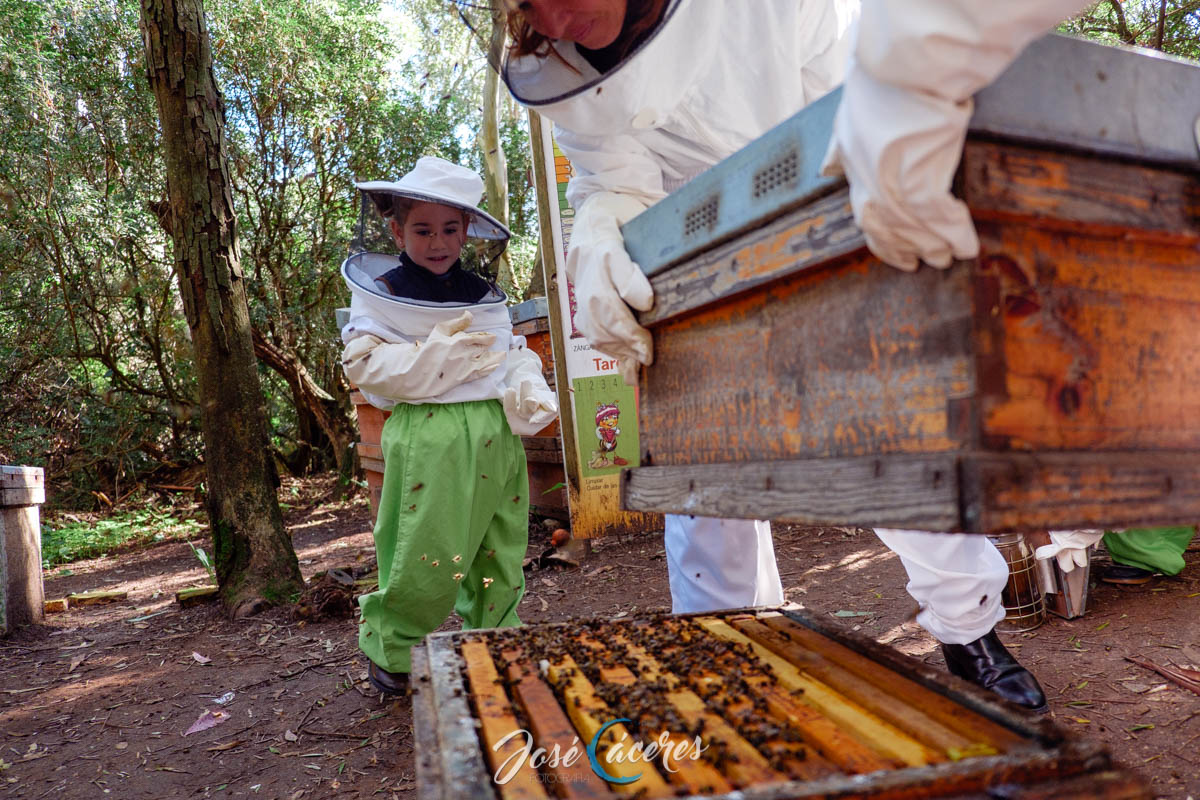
(416, 371)
(529, 410)
(608, 284)
(1069, 547)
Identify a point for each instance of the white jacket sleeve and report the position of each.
(420, 371)
(900, 128)
(529, 404)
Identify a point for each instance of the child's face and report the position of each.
(433, 236)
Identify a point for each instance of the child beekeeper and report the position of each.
(432, 342)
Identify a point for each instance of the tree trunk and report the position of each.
(255, 562)
(495, 166)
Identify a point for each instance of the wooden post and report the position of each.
(22, 490)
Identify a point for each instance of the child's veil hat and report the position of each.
(435, 180)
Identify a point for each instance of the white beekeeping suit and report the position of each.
(714, 76)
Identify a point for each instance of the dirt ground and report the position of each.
(96, 702)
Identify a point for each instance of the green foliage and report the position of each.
(79, 540)
(96, 378)
(1172, 26)
(202, 557)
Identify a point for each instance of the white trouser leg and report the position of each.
(956, 578)
(720, 563)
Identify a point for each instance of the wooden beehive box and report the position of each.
(775, 705)
(1053, 382)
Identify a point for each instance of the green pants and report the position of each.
(1155, 549)
(452, 529)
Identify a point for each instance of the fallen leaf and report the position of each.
(201, 659)
(121, 745)
(76, 661)
(291, 737)
(620, 614)
(207, 720)
(224, 699)
(852, 613)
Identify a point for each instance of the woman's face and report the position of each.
(591, 23)
(433, 235)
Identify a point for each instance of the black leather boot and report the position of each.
(987, 663)
(393, 684)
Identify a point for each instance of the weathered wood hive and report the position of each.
(782, 705)
(1052, 382)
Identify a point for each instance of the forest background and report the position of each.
(98, 378)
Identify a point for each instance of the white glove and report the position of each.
(416, 371)
(1069, 547)
(906, 101)
(899, 150)
(607, 282)
(529, 404)
(529, 410)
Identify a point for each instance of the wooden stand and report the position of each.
(1053, 382)
(22, 600)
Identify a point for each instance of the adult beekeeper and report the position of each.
(646, 94)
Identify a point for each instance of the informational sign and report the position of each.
(599, 414)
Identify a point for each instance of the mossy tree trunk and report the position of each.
(255, 562)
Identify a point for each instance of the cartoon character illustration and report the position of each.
(608, 415)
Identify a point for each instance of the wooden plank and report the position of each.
(497, 723)
(971, 726)
(431, 785)
(900, 491)
(97, 598)
(1081, 192)
(795, 241)
(694, 776)
(855, 358)
(462, 769)
(882, 736)
(905, 711)
(1039, 491)
(551, 729)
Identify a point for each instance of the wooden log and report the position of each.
(972, 726)
(882, 736)
(497, 723)
(57, 605)
(197, 595)
(97, 598)
(551, 729)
